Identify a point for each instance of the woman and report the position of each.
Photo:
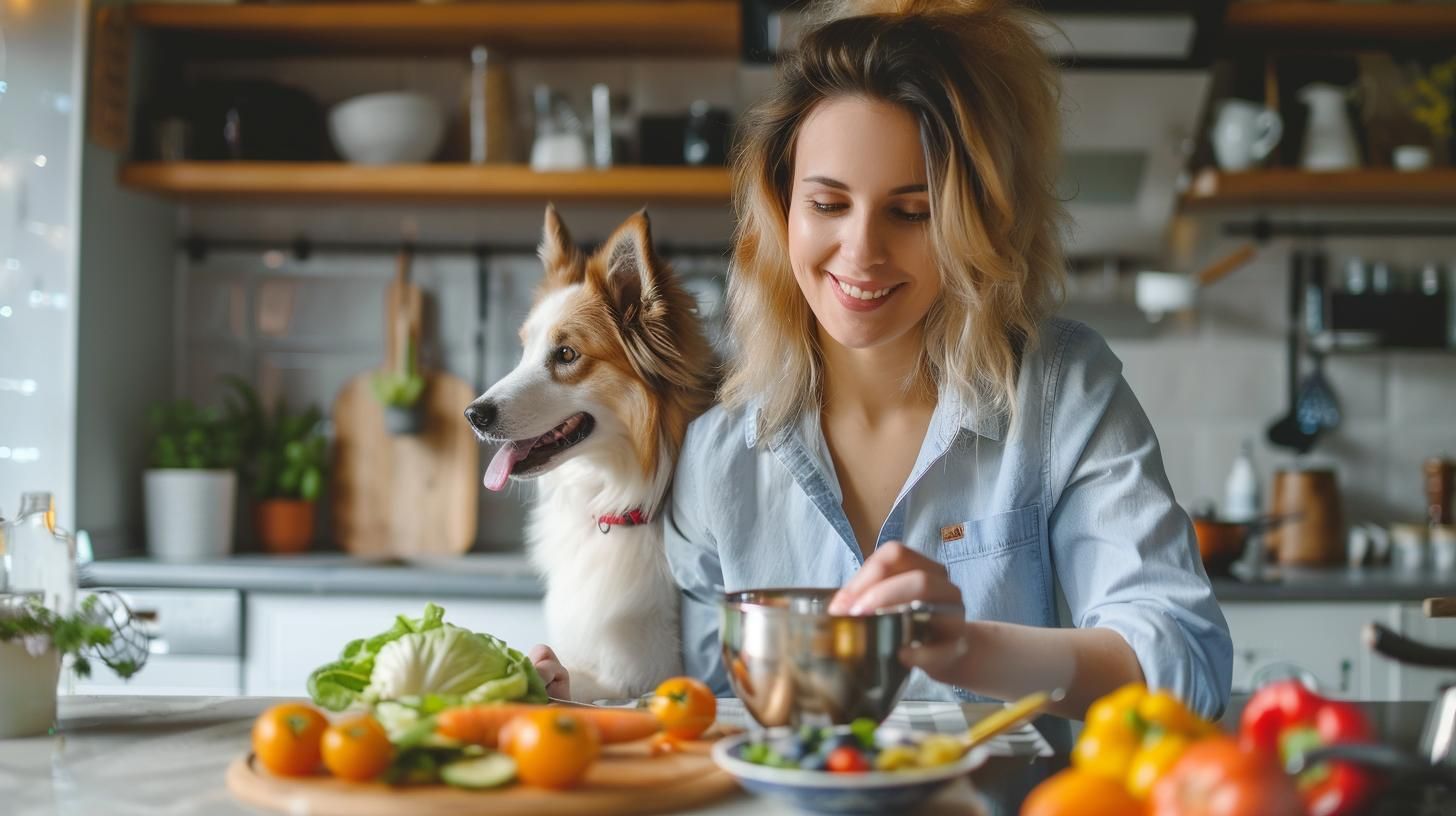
(901, 416)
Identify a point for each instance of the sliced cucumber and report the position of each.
(489, 771)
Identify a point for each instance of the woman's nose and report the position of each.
(862, 242)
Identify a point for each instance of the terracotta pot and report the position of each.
(285, 525)
(1220, 543)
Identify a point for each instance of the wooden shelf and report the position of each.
(1431, 188)
(424, 182)
(700, 28)
(1352, 22)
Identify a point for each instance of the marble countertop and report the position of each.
(509, 575)
(503, 575)
(129, 755)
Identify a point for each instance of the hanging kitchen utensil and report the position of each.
(1287, 432)
(1316, 407)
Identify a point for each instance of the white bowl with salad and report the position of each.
(857, 768)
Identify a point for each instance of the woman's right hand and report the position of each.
(553, 674)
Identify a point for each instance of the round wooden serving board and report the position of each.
(625, 780)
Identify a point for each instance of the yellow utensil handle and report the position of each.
(1009, 717)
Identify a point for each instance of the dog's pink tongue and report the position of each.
(504, 460)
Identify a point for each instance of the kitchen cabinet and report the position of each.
(287, 636)
(1321, 638)
(1413, 683)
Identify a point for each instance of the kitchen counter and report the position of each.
(1338, 584)
(125, 755)
(509, 575)
(492, 575)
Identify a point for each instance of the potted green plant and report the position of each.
(33, 642)
(287, 476)
(191, 483)
(1431, 99)
(400, 390)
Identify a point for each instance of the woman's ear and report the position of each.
(558, 254)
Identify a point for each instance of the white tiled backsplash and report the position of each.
(1208, 387)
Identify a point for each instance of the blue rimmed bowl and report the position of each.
(827, 792)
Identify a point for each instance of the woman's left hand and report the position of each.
(895, 574)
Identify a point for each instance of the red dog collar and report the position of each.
(631, 518)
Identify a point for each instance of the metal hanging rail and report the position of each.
(1264, 229)
(302, 248)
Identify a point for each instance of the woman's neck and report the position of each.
(867, 385)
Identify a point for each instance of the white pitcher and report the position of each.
(1329, 137)
(1244, 133)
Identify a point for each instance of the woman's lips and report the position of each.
(858, 303)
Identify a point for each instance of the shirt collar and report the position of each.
(951, 411)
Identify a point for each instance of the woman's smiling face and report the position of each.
(859, 214)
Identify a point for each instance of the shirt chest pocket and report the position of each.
(997, 563)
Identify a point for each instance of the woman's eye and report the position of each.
(914, 217)
(820, 206)
(564, 355)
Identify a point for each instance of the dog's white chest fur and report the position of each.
(611, 602)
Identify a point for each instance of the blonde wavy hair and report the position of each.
(987, 99)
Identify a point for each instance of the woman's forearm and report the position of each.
(1007, 661)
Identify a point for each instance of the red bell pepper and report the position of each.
(1286, 719)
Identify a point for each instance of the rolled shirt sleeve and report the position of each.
(1124, 551)
(693, 557)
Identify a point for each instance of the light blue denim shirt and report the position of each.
(1067, 519)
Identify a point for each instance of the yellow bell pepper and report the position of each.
(1157, 755)
(1107, 750)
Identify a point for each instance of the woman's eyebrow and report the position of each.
(839, 185)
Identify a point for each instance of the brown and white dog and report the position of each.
(615, 366)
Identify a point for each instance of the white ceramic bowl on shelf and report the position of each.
(397, 127)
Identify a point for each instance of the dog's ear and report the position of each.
(558, 254)
(630, 273)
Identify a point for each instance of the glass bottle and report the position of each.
(41, 555)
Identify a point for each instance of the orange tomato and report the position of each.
(684, 706)
(1076, 792)
(553, 748)
(286, 739)
(357, 749)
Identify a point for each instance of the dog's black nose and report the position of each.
(481, 415)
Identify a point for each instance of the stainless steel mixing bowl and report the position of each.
(790, 661)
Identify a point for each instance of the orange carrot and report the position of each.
(482, 724)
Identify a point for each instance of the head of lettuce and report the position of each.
(429, 665)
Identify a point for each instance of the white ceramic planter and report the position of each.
(190, 513)
(27, 691)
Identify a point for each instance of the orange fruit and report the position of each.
(1075, 792)
(286, 739)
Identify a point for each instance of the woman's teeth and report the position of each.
(856, 292)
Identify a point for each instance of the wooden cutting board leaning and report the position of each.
(404, 495)
(626, 779)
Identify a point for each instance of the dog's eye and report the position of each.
(564, 355)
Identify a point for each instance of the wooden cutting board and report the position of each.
(405, 496)
(625, 780)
